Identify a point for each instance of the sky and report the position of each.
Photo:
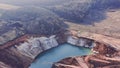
(19, 2)
(32, 2)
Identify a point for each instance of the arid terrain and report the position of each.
(108, 26)
(28, 28)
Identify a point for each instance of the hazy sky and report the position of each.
(32, 2)
(20, 1)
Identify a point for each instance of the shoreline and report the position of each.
(68, 37)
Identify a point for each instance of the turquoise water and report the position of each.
(46, 59)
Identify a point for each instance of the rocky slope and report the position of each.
(92, 61)
(105, 54)
(35, 46)
(21, 52)
(28, 20)
(97, 16)
(32, 18)
(26, 48)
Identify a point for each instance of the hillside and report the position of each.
(29, 20)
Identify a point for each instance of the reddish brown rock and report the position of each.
(91, 61)
(3, 65)
(107, 56)
(71, 62)
(107, 53)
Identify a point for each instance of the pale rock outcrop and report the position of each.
(72, 40)
(106, 53)
(48, 43)
(83, 42)
(36, 45)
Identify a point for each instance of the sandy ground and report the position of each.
(110, 26)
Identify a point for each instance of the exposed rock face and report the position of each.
(35, 46)
(82, 62)
(15, 23)
(25, 49)
(71, 62)
(91, 61)
(113, 42)
(84, 42)
(104, 55)
(72, 40)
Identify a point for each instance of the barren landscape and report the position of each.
(30, 28)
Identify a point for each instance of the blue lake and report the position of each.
(47, 58)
